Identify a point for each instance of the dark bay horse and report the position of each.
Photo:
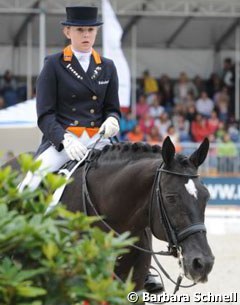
(136, 186)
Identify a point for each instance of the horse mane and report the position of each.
(127, 151)
(130, 152)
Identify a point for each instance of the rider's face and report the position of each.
(82, 37)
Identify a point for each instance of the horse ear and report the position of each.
(198, 157)
(168, 151)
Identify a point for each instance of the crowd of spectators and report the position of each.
(187, 110)
(11, 91)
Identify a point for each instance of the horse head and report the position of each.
(178, 213)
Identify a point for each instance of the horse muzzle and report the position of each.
(197, 268)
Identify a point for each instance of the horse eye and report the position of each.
(171, 198)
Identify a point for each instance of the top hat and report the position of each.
(82, 16)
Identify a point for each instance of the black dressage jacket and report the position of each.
(69, 96)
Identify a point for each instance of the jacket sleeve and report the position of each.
(47, 97)
(111, 102)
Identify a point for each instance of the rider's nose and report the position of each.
(85, 33)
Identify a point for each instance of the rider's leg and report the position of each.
(52, 160)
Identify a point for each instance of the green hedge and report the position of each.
(54, 259)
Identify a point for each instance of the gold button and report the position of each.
(76, 122)
(92, 110)
(92, 124)
(94, 97)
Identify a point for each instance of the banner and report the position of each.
(223, 190)
(112, 33)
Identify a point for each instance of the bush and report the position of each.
(58, 258)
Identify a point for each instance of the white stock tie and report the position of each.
(84, 61)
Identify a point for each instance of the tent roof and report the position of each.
(160, 23)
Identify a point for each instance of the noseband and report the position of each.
(173, 236)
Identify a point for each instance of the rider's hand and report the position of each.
(74, 149)
(110, 127)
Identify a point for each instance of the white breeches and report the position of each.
(52, 160)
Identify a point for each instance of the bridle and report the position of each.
(173, 236)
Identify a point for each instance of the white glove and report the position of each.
(110, 127)
(74, 149)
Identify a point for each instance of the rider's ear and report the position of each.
(198, 157)
(168, 151)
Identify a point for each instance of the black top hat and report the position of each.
(82, 16)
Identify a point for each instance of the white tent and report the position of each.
(31, 28)
(166, 36)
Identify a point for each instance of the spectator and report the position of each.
(182, 88)
(204, 104)
(228, 77)
(199, 84)
(174, 136)
(214, 85)
(199, 128)
(220, 132)
(150, 85)
(190, 100)
(142, 106)
(8, 81)
(213, 122)
(227, 153)
(127, 123)
(233, 131)
(191, 113)
(2, 102)
(163, 123)
(166, 90)
(156, 109)
(146, 123)
(182, 127)
(8, 88)
(135, 135)
(222, 101)
(154, 137)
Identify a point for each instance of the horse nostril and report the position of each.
(198, 264)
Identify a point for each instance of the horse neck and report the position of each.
(128, 199)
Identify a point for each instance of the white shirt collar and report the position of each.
(82, 56)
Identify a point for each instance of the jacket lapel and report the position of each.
(85, 78)
(72, 65)
(94, 70)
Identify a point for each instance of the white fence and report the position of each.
(215, 164)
